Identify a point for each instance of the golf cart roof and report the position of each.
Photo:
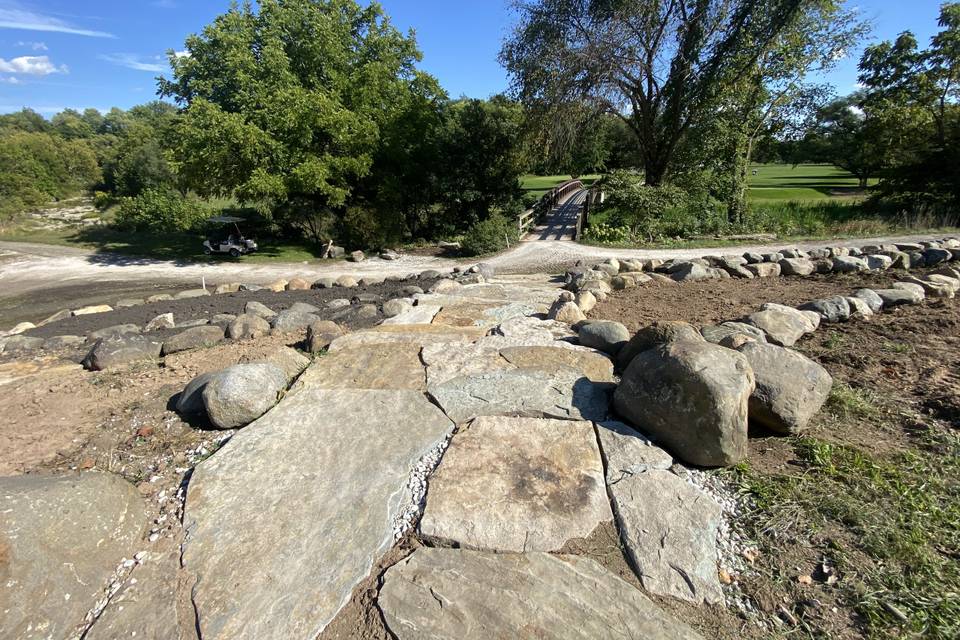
(226, 219)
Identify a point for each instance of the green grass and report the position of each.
(889, 524)
(804, 182)
(539, 185)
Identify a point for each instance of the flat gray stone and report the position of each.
(896, 297)
(874, 301)
(796, 267)
(61, 540)
(832, 309)
(193, 338)
(116, 351)
(288, 321)
(669, 528)
(420, 314)
(291, 361)
(21, 344)
(451, 594)
(247, 326)
(115, 330)
(564, 393)
(374, 366)
(604, 335)
(781, 327)
(627, 452)
(162, 321)
(517, 484)
(292, 512)
(191, 293)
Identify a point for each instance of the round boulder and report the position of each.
(238, 395)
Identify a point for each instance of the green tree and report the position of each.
(284, 106)
(664, 67)
(849, 137)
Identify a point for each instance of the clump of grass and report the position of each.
(834, 341)
(848, 402)
(897, 347)
(902, 512)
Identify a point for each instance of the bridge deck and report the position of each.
(561, 223)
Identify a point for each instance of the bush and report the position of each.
(489, 236)
(640, 206)
(603, 232)
(164, 211)
(102, 200)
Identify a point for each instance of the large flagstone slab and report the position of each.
(374, 366)
(420, 334)
(595, 366)
(61, 539)
(564, 393)
(517, 484)
(420, 314)
(291, 513)
(452, 594)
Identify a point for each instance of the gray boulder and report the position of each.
(190, 400)
(897, 297)
(288, 321)
(849, 264)
(162, 321)
(690, 271)
(878, 262)
(752, 258)
(870, 296)
(22, 344)
(115, 330)
(116, 351)
(796, 267)
(324, 283)
(238, 395)
(783, 327)
(604, 335)
(62, 342)
(691, 397)
(717, 334)
(258, 309)
(321, 333)
(933, 256)
(764, 269)
(191, 293)
(790, 389)
(303, 307)
(193, 338)
(223, 320)
(653, 335)
(248, 326)
(832, 309)
(396, 306)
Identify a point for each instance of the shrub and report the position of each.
(161, 211)
(102, 200)
(640, 206)
(488, 236)
(603, 232)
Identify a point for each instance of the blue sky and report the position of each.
(103, 53)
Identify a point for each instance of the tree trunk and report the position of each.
(863, 182)
(737, 204)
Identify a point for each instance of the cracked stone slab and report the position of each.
(452, 594)
(291, 513)
(517, 484)
(419, 334)
(535, 330)
(669, 528)
(373, 366)
(563, 393)
(627, 452)
(61, 539)
(481, 315)
(595, 366)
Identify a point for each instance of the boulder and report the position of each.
(85, 311)
(718, 334)
(586, 301)
(367, 311)
(324, 283)
(477, 595)
(21, 344)
(250, 287)
(567, 312)
(190, 400)
(288, 321)
(935, 286)
(62, 538)
(653, 335)
(337, 304)
(159, 297)
(194, 338)
(916, 289)
(229, 287)
(823, 266)
(291, 361)
(63, 314)
(604, 335)
(445, 287)
(832, 309)
(772, 257)
(691, 396)
(191, 293)
(248, 326)
(303, 307)
(63, 342)
(849, 264)
(859, 308)
(764, 269)
(782, 327)
(878, 262)
(162, 321)
(115, 330)
(128, 302)
(790, 389)
(258, 309)
(188, 324)
(389, 254)
(563, 393)
(935, 256)
(690, 271)
(396, 306)
(238, 395)
(517, 484)
(348, 282)
(115, 351)
(896, 297)
(298, 284)
(357, 256)
(752, 257)
(321, 333)
(222, 320)
(263, 514)
(796, 267)
(336, 252)
(276, 286)
(370, 281)
(874, 301)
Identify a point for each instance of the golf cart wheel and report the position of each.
(207, 251)
(234, 253)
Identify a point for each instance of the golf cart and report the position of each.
(225, 240)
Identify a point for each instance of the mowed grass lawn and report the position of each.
(804, 182)
(539, 185)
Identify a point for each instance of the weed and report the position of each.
(848, 402)
(834, 341)
(897, 347)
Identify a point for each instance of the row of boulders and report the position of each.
(695, 391)
(616, 274)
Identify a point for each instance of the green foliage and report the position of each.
(162, 211)
(36, 168)
(489, 236)
(605, 233)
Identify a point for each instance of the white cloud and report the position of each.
(165, 4)
(31, 65)
(13, 16)
(137, 62)
(36, 46)
(181, 54)
(10, 80)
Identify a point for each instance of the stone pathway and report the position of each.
(292, 513)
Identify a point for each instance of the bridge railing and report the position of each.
(545, 205)
(595, 197)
